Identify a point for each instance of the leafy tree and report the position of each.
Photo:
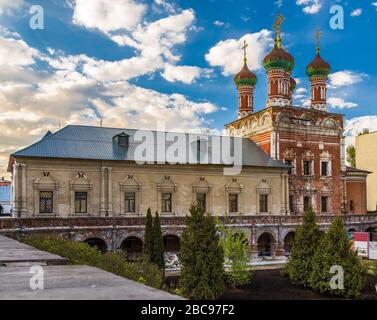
(305, 243)
(336, 250)
(158, 244)
(351, 155)
(237, 255)
(202, 258)
(148, 236)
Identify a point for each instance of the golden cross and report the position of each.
(278, 21)
(277, 28)
(245, 45)
(318, 36)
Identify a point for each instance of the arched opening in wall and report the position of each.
(352, 230)
(371, 229)
(133, 248)
(288, 243)
(97, 243)
(171, 243)
(266, 245)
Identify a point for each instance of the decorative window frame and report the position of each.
(263, 188)
(81, 183)
(130, 184)
(233, 187)
(308, 156)
(46, 183)
(289, 154)
(167, 185)
(202, 186)
(325, 156)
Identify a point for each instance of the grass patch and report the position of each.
(80, 253)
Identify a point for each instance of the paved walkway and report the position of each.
(61, 281)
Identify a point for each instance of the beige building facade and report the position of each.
(366, 159)
(63, 187)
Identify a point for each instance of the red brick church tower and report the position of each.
(310, 139)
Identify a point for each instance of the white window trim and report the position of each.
(129, 184)
(167, 186)
(50, 185)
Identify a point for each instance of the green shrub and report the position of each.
(158, 244)
(80, 253)
(237, 255)
(305, 243)
(148, 236)
(201, 257)
(335, 249)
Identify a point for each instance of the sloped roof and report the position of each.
(96, 143)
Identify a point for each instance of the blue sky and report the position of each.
(133, 62)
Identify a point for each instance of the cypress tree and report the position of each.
(201, 257)
(158, 244)
(305, 243)
(148, 236)
(336, 250)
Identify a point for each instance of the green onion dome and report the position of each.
(245, 77)
(293, 84)
(318, 67)
(279, 58)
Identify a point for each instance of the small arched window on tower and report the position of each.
(122, 139)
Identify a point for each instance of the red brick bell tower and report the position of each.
(245, 81)
(318, 71)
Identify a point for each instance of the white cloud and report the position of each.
(154, 42)
(15, 52)
(9, 6)
(310, 6)
(107, 15)
(185, 74)
(354, 126)
(345, 78)
(219, 23)
(374, 4)
(227, 54)
(356, 12)
(77, 90)
(340, 103)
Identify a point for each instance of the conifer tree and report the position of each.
(158, 244)
(335, 251)
(201, 257)
(148, 236)
(306, 240)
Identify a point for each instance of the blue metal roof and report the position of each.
(86, 142)
(5, 193)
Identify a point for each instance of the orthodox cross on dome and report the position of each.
(245, 45)
(277, 28)
(318, 36)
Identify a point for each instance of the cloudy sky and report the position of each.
(136, 62)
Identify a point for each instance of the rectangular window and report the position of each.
(263, 203)
(307, 202)
(289, 162)
(352, 206)
(130, 202)
(46, 202)
(307, 168)
(324, 168)
(291, 204)
(201, 200)
(324, 204)
(166, 205)
(81, 202)
(233, 203)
